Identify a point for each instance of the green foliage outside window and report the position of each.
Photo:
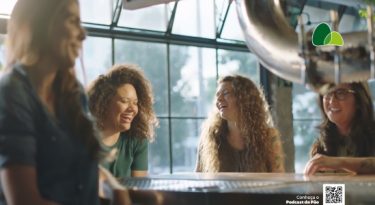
(363, 12)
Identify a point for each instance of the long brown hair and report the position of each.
(104, 88)
(30, 38)
(362, 130)
(255, 124)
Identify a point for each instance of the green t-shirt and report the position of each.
(131, 156)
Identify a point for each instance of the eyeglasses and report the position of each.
(340, 94)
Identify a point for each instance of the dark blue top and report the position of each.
(30, 136)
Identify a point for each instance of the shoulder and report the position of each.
(273, 137)
(132, 140)
(14, 82)
(15, 90)
(274, 133)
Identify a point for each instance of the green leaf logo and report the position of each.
(323, 36)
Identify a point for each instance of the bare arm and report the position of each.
(119, 194)
(198, 163)
(20, 186)
(277, 162)
(138, 173)
(366, 165)
(359, 165)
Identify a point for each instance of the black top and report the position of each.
(30, 136)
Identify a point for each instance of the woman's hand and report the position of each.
(358, 165)
(110, 188)
(324, 163)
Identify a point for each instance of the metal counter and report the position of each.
(247, 188)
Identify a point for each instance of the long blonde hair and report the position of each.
(255, 124)
(31, 38)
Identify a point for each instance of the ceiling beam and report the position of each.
(161, 37)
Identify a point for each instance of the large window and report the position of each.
(185, 137)
(306, 117)
(7, 6)
(371, 84)
(97, 11)
(193, 77)
(232, 29)
(182, 49)
(152, 58)
(240, 63)
(159, 153)
(157, 17)
(95, 59)
(184, 83)
(2, 52)
(195, 18)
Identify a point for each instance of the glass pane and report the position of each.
(305, 133)
(305, 103)
(195, 18)
(193, 80)
(98, 11)
(315, 16)
(158, 155)
(350, 23)
(96, 58)
(220, 8)
(152, 58)
(371, 84)
(150, 18)
(185, 136)
(232, 28)
(7, 6)
(242, 63)
(2, 52)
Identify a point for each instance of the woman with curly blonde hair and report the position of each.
(122, 101)
(238, 136)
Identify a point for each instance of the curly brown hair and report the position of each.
(104, 88)
(255, 124)
(362, 130)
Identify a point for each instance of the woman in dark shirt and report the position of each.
(347, 131)
(48, 145)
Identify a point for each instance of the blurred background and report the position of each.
(184, 47)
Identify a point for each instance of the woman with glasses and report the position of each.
(347, 131)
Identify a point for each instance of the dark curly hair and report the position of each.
(362, 130)
(104, 88)
(255, 124)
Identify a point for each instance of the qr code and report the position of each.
(333, 194)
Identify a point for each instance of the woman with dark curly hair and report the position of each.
(238, 136)
(347, 131)
(122, 103)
